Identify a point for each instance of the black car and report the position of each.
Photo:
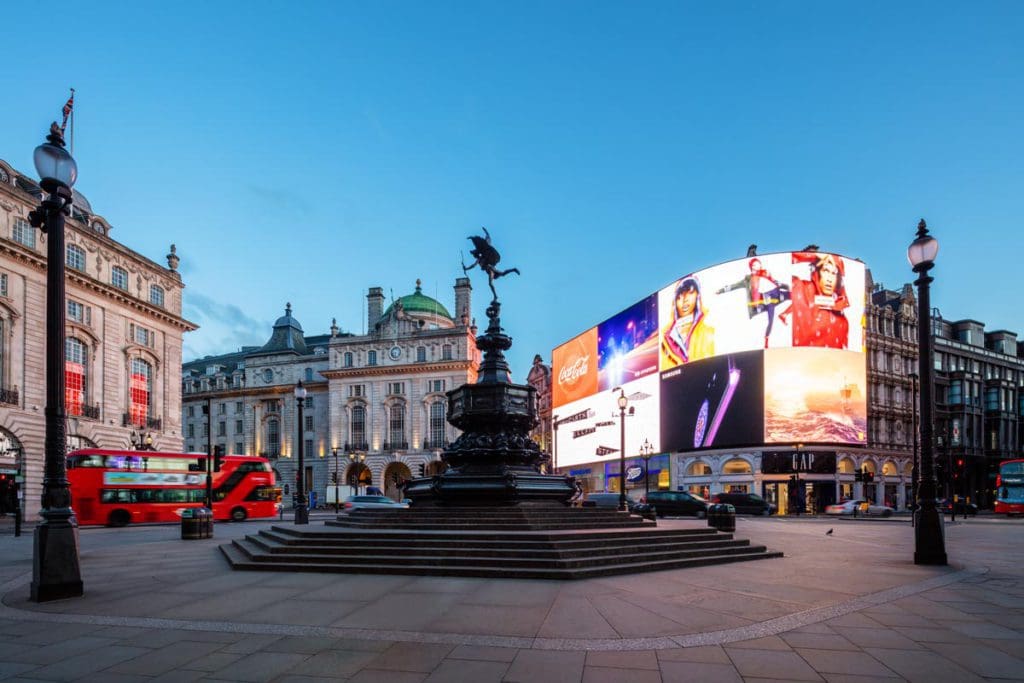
(611, 501)
(962, 507)
(745, 503)
(677, 503)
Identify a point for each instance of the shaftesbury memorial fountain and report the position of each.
(492, 512)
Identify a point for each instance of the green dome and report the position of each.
(418, 302)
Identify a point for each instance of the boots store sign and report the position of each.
(794, 462)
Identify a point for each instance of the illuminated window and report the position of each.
(140, 391)
(397, 424)
(845, 466)
(156, 295)
(75, 365)
(699, 469)
(119, 277)
(75, 257)
(736, 466)
(437, 423)
(358, 425)
(23, 233)
(273, 438)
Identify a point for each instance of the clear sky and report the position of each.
(306, 151)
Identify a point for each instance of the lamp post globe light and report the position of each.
(356, 458)
(56, 571)
(929, 543)
(301, 508)
(646, 452)
(623, 402)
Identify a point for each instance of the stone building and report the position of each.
(539, 378)
(124, 334)
(375, 412)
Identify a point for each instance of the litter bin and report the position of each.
(205, 522)
(191, 524)
(712, 515)
(312, 500)
(726, 517)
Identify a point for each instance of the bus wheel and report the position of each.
(239, 515)
(119, 518)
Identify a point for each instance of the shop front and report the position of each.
(799, 481)
(654, 476)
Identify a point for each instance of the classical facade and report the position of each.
(375, 411)
(539, 378)
(124, 333)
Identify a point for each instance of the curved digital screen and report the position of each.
(762, 350)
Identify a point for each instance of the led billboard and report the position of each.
(761, 350)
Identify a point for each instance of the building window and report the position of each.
(3, 284)
(191, 411)
(396, 388)
(358, 425)
(76, 311)
(206, 430)
(141, 336)
(348, 359)
(309, 374)
(273, 438)
(421, 354)
(222, 428)
(140, 391)
(239, 407)
(956, 396)
(736, 466)
(75, 375)
(446, 352)
(356, 391)
(437, 423)
(23, 233)
(309, 423)
(435, 385)
(191, 431)
(222, 408)
(272, 406)
(239, 447)
(75, 257)
(156, 295)
(396, 425)
(238, 426)
(119, 277)
(309, 447)
(371, 357)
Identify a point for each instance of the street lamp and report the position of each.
(356, 458)
(56, 572)
(915, 473)
(337, 481)
(301, 509)
(929, 544)
(623, 402)
(646, 451)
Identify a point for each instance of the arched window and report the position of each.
(736, 466)
(845, 466)
(698, 469)
(358, 427)
(76, 366)
(119, 277)
(156, 295)
(348, 359)
(396, 425)
(889, 469)
(140, 392)
(421, 354)
(75, 257)
(437, 424)
(273, 438)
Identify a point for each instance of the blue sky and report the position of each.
(304, 152)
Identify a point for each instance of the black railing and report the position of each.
(430, 445)
(9, 396)
(395, 445)
(146, 422)
(357, 446)
(92, 412)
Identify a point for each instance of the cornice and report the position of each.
(253, 392)
(409, 369)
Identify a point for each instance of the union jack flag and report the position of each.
(68, 106)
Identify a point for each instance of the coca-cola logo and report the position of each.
(571, 373)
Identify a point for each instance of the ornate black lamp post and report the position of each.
(623, 402)
(929, 544)
(646, 452)
(915, 473)
(301, 508)
(56, 573)
(356, 458)
(337, 481)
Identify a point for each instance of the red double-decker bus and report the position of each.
(117, 488)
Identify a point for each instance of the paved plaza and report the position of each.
(850, 606)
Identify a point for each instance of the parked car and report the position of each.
(358, 502)
(962, 507)
(610, 501)
(745, 503)
(860, 507)
(677, 503)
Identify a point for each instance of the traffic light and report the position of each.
(858, 475)
(334, 477)
(218, 457)
(869, 477)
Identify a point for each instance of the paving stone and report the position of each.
(917, 669)
(383, 676)
(626, 659)
(687, 672)
(483, 653)
(845, 662)
(419, 657)
(458, 671)
(877, 637)
(602, 674)
(71, 668)
(766, 643)
(928, 635)
(706, 654)
(976, 629)
(214, 661)
(179, 676)
(260, 666)
(549, 666)
(786, 665)
(818, 641)
(984, 661)
(335, 663)
(158, 662)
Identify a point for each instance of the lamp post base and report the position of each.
(929, 537)
(302, 514)
(55, 570)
